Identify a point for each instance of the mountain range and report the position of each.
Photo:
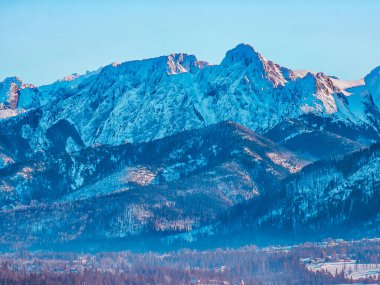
(174, 151)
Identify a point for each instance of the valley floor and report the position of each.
(327, 262)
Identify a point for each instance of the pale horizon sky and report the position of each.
(44, 40)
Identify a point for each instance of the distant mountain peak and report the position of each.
(155, 97)
(70, 77)
(16, 96)
(372, 81)
(182, 62)
(242, 53)
(11, 79)
(175, 63)
(257, 66)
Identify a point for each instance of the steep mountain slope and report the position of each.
(329, 198)
(337, 193)
(174, 147)
(149, 99)
(135, 189)
(315, 138)
(372, 82)
(221, 185)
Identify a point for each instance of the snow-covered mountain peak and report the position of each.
(321, 82)
(374, 72)
(182, 62)
(148, 99)
(372, 81)
(16, 81)
(244, 56)
(325, 84)
(300, 73)
(15, 96)
(242, 53)
(70, 77)
(153, 68)
(11, 79)
(27, 85)
(321, 94)
(9, 90)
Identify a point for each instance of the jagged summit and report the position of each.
(242, 53)
(142, 100)
(11, 79)
(70, 77)
(9, 91)
(129, 149)
(172, 64)
(182, 62)
(372, 81)
(16, 96)
(245, 56)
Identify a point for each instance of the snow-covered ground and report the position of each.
(350, 268)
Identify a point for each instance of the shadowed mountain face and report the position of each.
(175, 147)
(328, 198)
(317, 138)
(226, 145)
(177, 183)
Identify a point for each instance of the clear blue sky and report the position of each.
(43, 40)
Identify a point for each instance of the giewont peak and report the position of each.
(242, 53)
(255, 64)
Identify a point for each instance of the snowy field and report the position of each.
(351, 269)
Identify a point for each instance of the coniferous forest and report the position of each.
(328, 262)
